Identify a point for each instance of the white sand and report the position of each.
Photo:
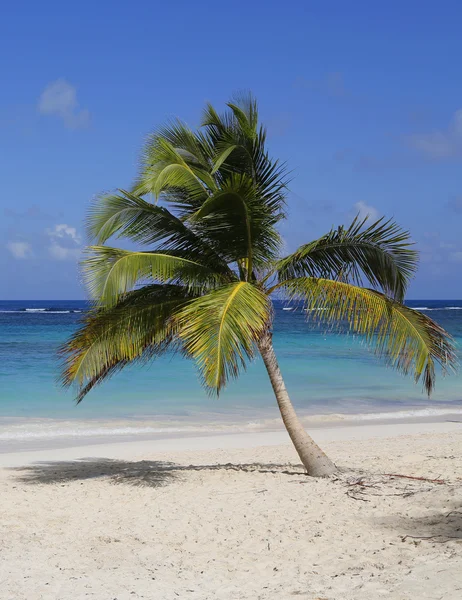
(112, 527)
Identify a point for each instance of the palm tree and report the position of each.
(204, 282)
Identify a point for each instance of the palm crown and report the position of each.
(210, 263)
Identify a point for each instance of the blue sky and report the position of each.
(362, 99)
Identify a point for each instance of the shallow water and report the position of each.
(326, 374)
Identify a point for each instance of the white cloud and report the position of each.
(331, 84)
(64, 242)
(456, 257)
(20, 250)
(441, 143)
(59, 252)
(64, 231)
(438, 257)
(363, 210)
(59, 99)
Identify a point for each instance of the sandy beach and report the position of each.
(235, 517)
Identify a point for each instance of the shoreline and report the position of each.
(24, 434)
(135, 448)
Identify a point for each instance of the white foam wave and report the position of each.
(406, 414)
(40, 311)
(425, 308)
(59, 430)
(436, 308)
(25, 434)
(34, 432)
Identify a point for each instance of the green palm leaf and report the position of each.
(127, 215)
(245, 111)
(240, 148)
(109, 273)
(381, 253)
(214, 124)
(220, 330)
(192, 145)
(139, 328)
(166, 167)
(238, 219)
(225, 151)
(409, 340)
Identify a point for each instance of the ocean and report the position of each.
(330, 377)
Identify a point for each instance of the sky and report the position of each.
(362, 99)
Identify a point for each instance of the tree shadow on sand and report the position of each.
(439, 526)
(147, 473)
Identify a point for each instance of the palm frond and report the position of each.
(215, 123)
(165, 167)
(236, 219)
(238, 154)
(245, 111)
(240, 148)
(224, 150)
(139, 328)
(409, 340)
(243, 116)
(381, 253)
(192, 145)
(129, 216)
(220, 330)
(109, 273)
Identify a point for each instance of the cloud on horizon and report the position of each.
(455, 257)
(438, 256)
(20, 250)
(61, 242)
(64, 242)
(364, 211)
(440, 143)
(59, 99)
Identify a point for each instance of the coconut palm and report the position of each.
(205, 210)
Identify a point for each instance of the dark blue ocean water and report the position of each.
(325, 374)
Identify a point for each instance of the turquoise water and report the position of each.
(325, 374)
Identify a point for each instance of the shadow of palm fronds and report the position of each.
(144, 472)
(148, 473)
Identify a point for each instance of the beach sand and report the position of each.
(235, 518)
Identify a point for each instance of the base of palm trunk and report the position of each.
(315, 461)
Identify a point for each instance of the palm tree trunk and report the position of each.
(316, 462)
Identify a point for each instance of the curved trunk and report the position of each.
(316, 462)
